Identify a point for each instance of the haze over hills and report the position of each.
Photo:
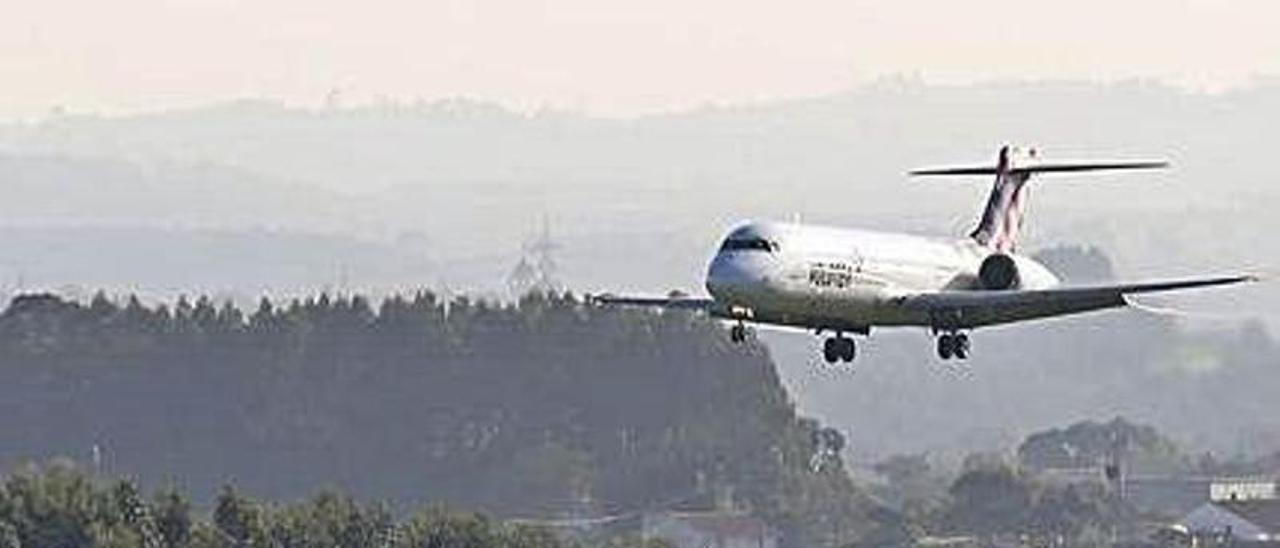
(444, 194)
(484, 175)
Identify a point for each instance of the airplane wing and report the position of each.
(675, 301)
(969, 309)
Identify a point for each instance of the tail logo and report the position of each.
(1002, 219)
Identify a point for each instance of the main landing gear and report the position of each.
(839, 348)
(953, 344)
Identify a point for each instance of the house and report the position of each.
(709, 530)
(1253, 520)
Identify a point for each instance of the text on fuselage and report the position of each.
(838, 275)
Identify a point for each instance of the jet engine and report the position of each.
(999, 271)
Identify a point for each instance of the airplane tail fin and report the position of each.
(1002, 218)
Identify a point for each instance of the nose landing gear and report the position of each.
(738, 333)
(839, 348)
(953, 344)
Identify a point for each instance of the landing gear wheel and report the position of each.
(839, 348)
(960, 343)
(738, 333)
(953, 345)
(946, 346)
(848, 349)
(831, 350)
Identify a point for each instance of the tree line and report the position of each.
(61, 505)
(545, 407)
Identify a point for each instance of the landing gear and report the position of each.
(738, 333)
(839, 348)
(953, 344)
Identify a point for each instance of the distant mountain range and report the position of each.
(251, 197)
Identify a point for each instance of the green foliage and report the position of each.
(543, 407)
(53, 508)
(1071, 510)
(993, 499)
(911, 482)
(989, 500)
(635, 541)
(238, 519)
(329, 519)
(61, 506)
(1090, 444)
(437, 527)
(172, 517)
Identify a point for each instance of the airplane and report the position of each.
(848, 281)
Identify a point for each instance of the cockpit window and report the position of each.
(749, 244)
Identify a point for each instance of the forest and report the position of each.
(990, 500)
(419, 421)
(62, 506)
(543, 408)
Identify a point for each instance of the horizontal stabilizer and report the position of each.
(1045, 167)
(1001, 219)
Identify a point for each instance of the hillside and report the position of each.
(546, 408)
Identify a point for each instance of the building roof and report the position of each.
(1265, 513)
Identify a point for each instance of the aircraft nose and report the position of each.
(730, 276)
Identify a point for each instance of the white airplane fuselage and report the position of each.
(848, 280)
(844, 279)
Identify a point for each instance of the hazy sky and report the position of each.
(605, 56)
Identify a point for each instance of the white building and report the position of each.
(1242, 489)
